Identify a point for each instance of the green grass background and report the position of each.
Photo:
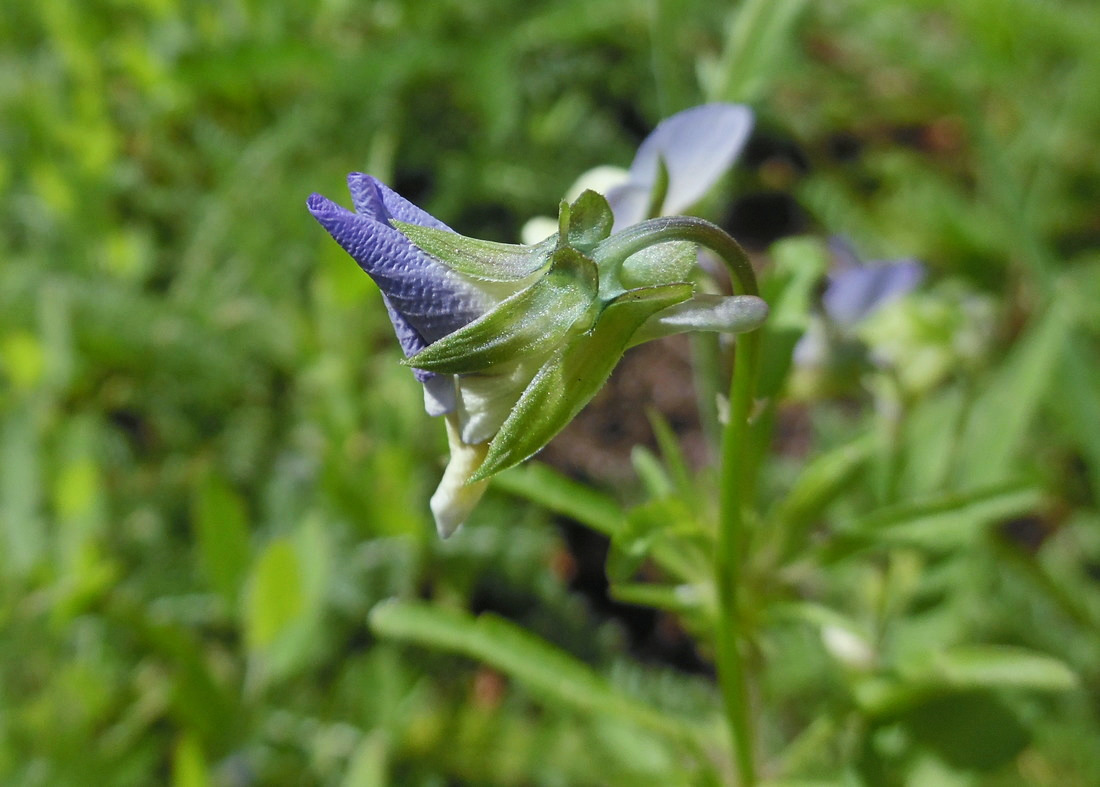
(212, 467)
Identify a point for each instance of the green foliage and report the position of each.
(214, 470)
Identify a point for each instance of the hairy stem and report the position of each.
(737, 473)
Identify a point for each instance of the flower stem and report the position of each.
(737, 473)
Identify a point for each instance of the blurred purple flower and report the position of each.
(854, 291)
(857, 289)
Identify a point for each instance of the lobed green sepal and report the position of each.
(572, 376)
(479, 259)
(674, 261)
(529, 323)
(589, 221)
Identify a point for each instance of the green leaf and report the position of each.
(1004, 412)
(529, 323)
(545, 486)
(973, 731)
(367, 766)
(221, 529)
(650, 472)
(799, 264)
(673, 455)
(590, 220)
(680, 599)
(569, 380)
(22, 529)
(275, 595)
(480, 259)
(987, 666)
(539, 666)
(189, 768)
(941, 523)
(818, 485)
(665, 531)
(962, 669)
(1078, 401)
(760, 35)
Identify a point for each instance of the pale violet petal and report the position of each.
(629, 202)
(439, 393)
(698, 146)
(854, 294)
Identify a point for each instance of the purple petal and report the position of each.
(844, 253)
(854, 294)
(375, 199)
(629, 202)
(698, 146)
(421, 293)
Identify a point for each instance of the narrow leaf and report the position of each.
(221, 529)
(542, 668)
(942, 523)
(681, 599)
(816, 487)
(799, 265)
(542, 484)
(275, 596)
(977, 666)
(1005, 411)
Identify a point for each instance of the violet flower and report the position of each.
(854, 291)
(674, 168)
(512, 341)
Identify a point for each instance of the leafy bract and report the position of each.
(573, 375)
(530, 322)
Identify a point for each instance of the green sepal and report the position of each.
(572, 376)
(480, 259)
(529, 323)
(590, 221)
(674, 261)
(721, 313)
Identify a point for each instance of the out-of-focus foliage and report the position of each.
(212, 468)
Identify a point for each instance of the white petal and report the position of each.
(484, 401)
(454, 499)
(600, 179)
(538, 229)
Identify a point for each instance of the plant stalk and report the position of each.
(737, 473)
